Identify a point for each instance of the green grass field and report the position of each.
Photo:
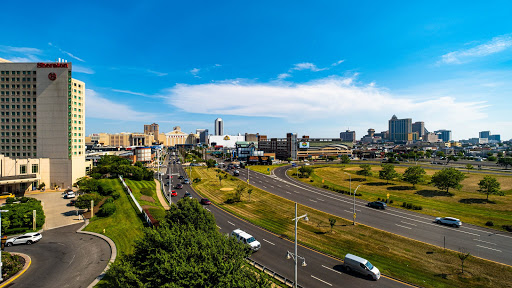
(265, 169)
(394, 255)
(135, 186)
(124, 226)
(467, 204)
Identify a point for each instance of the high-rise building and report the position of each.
(484, 134)
(43, 116)
(348, 136)
(444, 135)
(219, 127)
(203, 135)
(152, 129)
(419, 127)
(399, 129)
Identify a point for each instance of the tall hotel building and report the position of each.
(42, 116)
(400, 130)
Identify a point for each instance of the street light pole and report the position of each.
(295, 256)
(355, 204)
(1, 211)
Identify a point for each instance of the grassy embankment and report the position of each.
(265, 169)
(467, 204)
(155, 207)
(394, 255)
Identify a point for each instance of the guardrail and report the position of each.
(127, 189)
(271, 273)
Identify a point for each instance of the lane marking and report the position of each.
(287, 192)
(269, 242)
(321, 280)
(332, 269)
(408, 223)
(231, 223)
(403, 226)
(312, 200)
(488, 248)
(485, 241)
(218, 227)
(348, 211)
(319, 199)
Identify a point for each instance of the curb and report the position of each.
(28, 261)
(113, 252)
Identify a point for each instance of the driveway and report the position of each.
(55, 208)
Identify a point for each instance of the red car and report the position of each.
(205, 201)
(174, 193)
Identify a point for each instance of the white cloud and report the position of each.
(337, 63)
(283, 76)
(495, 45)
(159, 74)
(81, 69)
(195, 71)
(307, 66)
(24, 50)
(67, 53)
(130, 92)
(97, 106)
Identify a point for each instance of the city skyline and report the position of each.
(315, 70)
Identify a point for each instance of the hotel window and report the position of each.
(35, 168)
(23, 169)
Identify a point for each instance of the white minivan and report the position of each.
(246, 238)
(361, 266)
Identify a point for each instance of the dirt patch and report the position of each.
(147, 198)
(226, 189)
(96, 209)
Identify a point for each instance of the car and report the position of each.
(205, 201)
(186, 181)
(5, 195)
(307, 164)
(361, 266)
(69, 194)
(246, 238)
(179, 186)
(377, 204)
(181, 177)
(174, 193)
(450, 221)
(187, 195)
(27, 238)
(236, 173)
(72, 202)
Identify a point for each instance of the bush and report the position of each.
(10, 200)
(84, 201)
(116, 195)
(146, 191)
(96, 176)
(326, 187)
(311, 180)
(489, 223)
(390, 201)
(109, 200)
(507, 227)
(107, 209)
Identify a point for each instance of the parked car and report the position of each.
(179, 186)
(69, 194)
(377, 204)
(361, 266)
(174, 193)
(246, 238)
(187, 195)
(450, 221)
(5, 195)
(27, 238)
(205, 201)
(72, 202)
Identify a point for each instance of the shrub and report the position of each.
(507, 227)
(325, 186)
(311, 180)
(109, 200)
(390, 201)
(10, 200)
(115, 195)
(84, 201)
(489, 223)
(146, 191)
(359, 194)
(96, 176)
(107, 209)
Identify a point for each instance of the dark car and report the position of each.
(236, 173)
(72, 202)
(187, 195)
(179, 186)
(181, 177)
(205, 201)
(377, 204)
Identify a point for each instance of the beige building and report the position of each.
(175, 137)
(152, 129)
(21, 174)
(42, 115)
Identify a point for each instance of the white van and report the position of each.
(361, 266)
(246, 238)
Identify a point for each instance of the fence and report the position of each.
(127, 189)
(278, 277)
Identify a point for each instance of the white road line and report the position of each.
(287, 192)
(321, 280)
(403, 226)
(332, 269)
(488, 248)
(348, 211)
(319, 199)
(264, 186)
(408, 223)
(208, 209)
(231, 223)
(484, 241)
(312, 200)
(218, 227)
(269, 242)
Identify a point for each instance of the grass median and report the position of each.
(467, 204)
(265, 169)
(394, 255)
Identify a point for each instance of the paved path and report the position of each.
(56, 209)
(161, 196)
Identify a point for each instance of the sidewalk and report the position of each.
(161, 196)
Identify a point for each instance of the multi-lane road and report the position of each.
(481, 242)
(321, 270)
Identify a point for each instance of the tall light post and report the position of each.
(1, 211)
(294, 255)
(355, 204)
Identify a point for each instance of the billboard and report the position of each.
(303, 145)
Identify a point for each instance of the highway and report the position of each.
(321, 270)
(481, 242)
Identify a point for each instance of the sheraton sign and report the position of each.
(52, 65)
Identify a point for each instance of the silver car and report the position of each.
(27, 238)
(450, 221)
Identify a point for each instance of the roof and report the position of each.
(356, 258)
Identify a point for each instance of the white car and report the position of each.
(450, 221)
(69, 194)
(246, 238)
(27, 238)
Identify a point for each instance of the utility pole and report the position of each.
(1, 211)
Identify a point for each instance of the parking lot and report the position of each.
(56, 209)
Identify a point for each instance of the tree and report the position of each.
(249, 191)
(186, 250)
(239, 190)
(345, 159)
(84, 201)
(469, 167)
(506, 161)
(305, 171)
(452, 158)
(463, 255)
(489, 185)
(428, 153)
(448, 178)
(440, 154)
(414, 175)
(332, 222)
(388, 172)
(220, 180)
(289, 159)
(366, 170)
(210, 163)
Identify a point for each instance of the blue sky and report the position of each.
(277, 66)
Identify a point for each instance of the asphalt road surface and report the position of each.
(321, 270)
(63, 258)
(481, 242)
